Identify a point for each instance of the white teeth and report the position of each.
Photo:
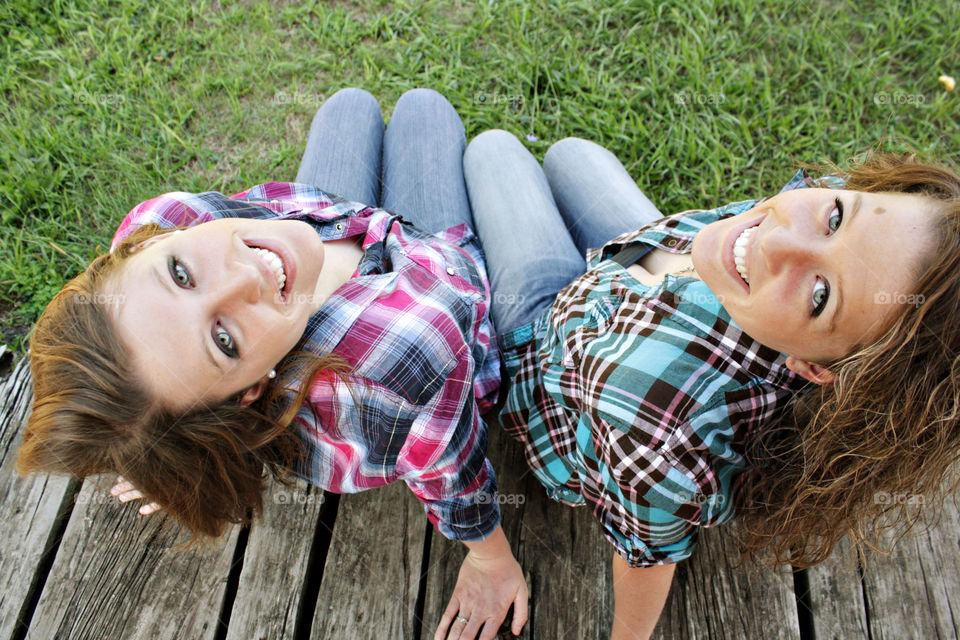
(740, 252)
(275, 263)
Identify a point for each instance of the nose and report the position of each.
(240, 284)
(784, 248)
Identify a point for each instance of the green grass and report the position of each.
(108, 103)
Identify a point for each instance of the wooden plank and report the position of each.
(566, 560)
(275, 563)
(836, 597)
(372, 574)
(915, 592)
(28, 508)
(710, 598)
(117, 575)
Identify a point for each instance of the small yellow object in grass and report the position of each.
(947, 82)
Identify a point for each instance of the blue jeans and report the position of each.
(414, 166)
(536, 224)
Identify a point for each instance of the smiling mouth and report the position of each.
(275, 264)
(740, 246)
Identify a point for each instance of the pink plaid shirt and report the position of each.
(413, 325)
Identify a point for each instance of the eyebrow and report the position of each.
(168, 285)
(838, 307)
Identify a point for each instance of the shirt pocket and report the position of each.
(574, 329)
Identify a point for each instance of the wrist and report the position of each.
(493, 547)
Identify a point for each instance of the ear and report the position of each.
(810, 371)
(252, 394)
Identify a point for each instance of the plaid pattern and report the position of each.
(637, 400)
(413, 325)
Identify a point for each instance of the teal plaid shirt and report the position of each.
(637, 400)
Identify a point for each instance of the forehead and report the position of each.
(887, 247)
(154, 326)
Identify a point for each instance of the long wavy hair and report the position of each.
(861, 456)
(206, 467)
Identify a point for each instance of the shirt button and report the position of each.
(450, 271)
(274, 200)
(339, 226)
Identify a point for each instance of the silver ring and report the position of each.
(462, 619)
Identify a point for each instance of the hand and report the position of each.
(125, 492)
(486, 587)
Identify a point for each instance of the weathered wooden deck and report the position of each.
(74, 563)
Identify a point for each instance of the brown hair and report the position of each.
(859, 456)
(90, 415)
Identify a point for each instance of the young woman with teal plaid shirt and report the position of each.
(780, 359)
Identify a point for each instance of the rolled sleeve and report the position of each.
(467, 515)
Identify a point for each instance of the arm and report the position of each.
(490, 580)
(639, 596)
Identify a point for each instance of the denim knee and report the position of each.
(563, 150)
(422, 99)
(360, 98)
(493, 144)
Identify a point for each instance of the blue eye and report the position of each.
(821, 293)
(836, 216)
(178, 272)
(225, 341)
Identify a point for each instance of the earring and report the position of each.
(272, 374)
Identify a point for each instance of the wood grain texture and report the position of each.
(118, 576)
(28, 509)
(566, 560)
(711, 598)
(372, 574)
(269, 597)
(836, 597)
(914, 593)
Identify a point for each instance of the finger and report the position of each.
(130, 495)
(520, 611)
(147, 509)
(473, 627)
(490, 629)
(121, 487)
(458, 631)
(452, 607)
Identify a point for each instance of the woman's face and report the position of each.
(825, 270)
(202, 313)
